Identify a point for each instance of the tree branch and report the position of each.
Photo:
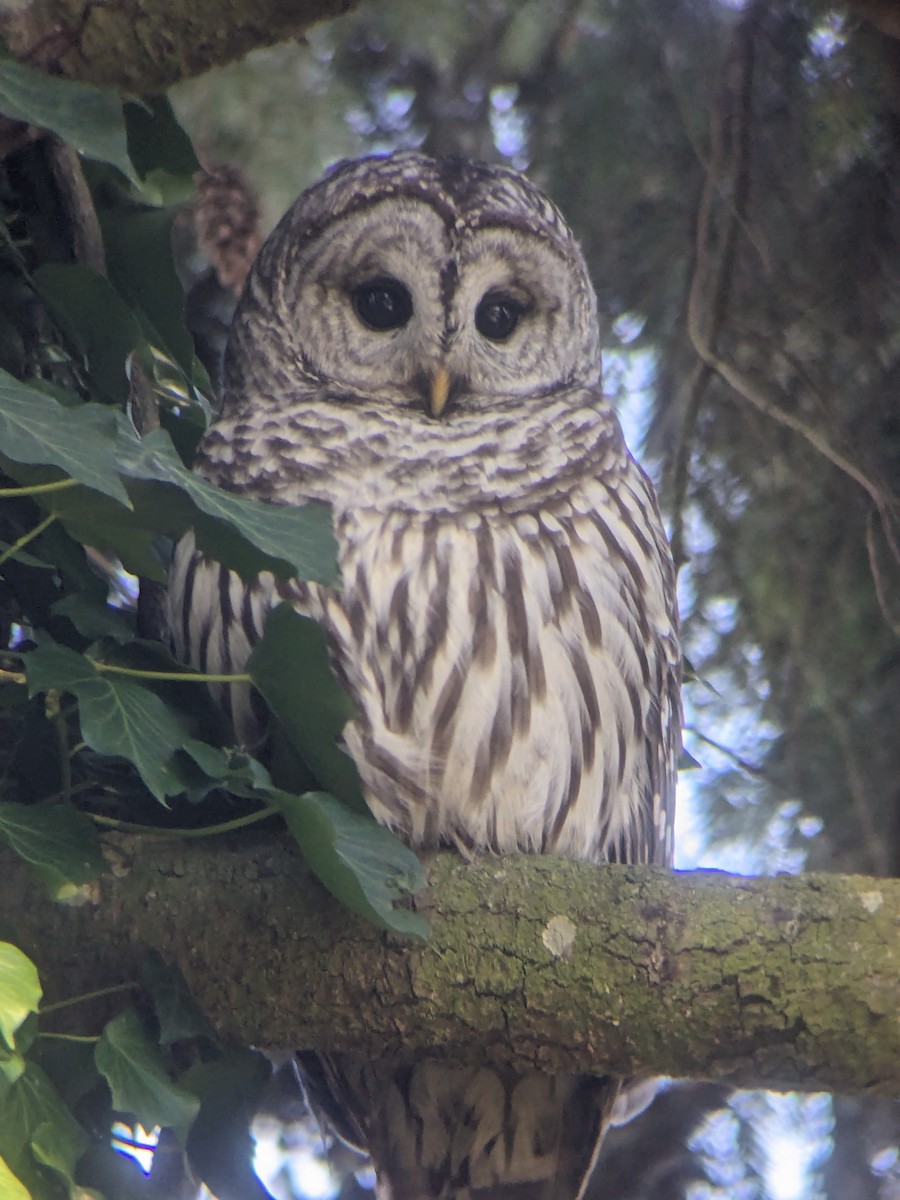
(785, 982)
(147, 45)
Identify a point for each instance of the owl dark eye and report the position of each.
(497, 316)
(383, 304)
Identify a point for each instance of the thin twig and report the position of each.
(204, 831)
(721, 275)
(23, 541)
(85, 996)
(168, 676)
(872, 550)
(872, 838)
(37, 489)
(704, 340)
(744, 763)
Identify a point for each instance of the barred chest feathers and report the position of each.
(508, 659)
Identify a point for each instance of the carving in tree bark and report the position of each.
(785, 982)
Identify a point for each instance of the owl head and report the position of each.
(434, 285)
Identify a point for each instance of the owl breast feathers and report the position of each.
(417, 345)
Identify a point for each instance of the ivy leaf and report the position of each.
(89, 309)
(59, 1145)
(80, 440)
(94, 520)
(139, 258)
(26, 559)
(175, 1008)
(138, 1077)
(291, 668)
(233, 769)
(118, 715)
(59, 841)
(93, 617)
(32, 1119)
(27, 1033)
(69, 1066)
(361, 862)
(88, 117)
(11, 1067)
(11, 1188)
(98, 447)
(293, 540)
(20, 990)
(219, 1145)
(160, 150)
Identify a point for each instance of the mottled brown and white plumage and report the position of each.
(506, 624)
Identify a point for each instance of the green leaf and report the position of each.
(90, 311)
(27, 1033)
(95, 520)
(20, 990)
(163, 496)
(174, 1006)
(231, 769)
(88, 117)
(188, 697)
(26, 559)
(160, 150)
(291, 668)
(139, 258)
(94, 618)
(361, 862)
(138, 1077)
(81, 440)
(11, 1188)
(32, 1118)
(57, 839)
(11, 1067)
(293, 540)
(219, 1146)
(234, 769)
(118, 715)
(59, 1145)
(68, 1065)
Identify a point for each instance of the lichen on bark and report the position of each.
(785, 982)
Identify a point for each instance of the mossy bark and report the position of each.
(785, 982)
(144, 46)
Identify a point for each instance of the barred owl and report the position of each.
(417, 345)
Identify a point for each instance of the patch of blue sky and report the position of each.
(789, 1146)
(509, 127)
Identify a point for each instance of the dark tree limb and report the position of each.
(792, 981)
(147, 45)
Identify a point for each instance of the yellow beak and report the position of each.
(440, 390)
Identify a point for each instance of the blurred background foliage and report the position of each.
(732, 172)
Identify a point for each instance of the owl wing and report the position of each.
(215, 619)
(642, 611)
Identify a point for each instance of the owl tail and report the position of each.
(482, 1133)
